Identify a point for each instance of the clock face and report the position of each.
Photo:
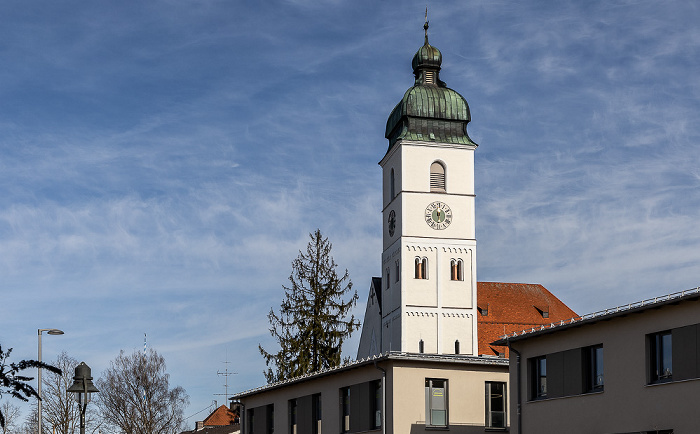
(392, 222)
(438, 215)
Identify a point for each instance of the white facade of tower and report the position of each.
(431, 310)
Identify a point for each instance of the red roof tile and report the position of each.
(510, 307)
(221, 416)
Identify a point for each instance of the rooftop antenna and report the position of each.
(225, 374)
(144, 359)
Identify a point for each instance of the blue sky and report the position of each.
(162, 162)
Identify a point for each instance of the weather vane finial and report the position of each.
(425, 26)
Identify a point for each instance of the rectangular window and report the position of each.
(660, 357)
(397, 270)
(316, 410)
(538, 367)
(251, 422)
(345, 410)
(292, 416)
(495, 404)
(388, 280)
(593, 365)
(435, 402)
(376, 416)
(270, 418)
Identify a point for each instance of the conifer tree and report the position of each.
(314, 318)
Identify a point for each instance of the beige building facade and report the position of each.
(393, 393)
(632, 369)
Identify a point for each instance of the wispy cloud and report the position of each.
(161, 164)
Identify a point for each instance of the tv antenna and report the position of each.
(225, 374)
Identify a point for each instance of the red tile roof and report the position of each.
(221, 416)
(509, 307)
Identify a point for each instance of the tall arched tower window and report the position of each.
(391, 184)
(437, 177)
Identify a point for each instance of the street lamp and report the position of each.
(82, 387)
(50, 332)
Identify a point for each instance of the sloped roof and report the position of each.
(509, 307)
(221, 416)
(391, 355)
(688, 295)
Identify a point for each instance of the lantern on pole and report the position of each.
(82, 387)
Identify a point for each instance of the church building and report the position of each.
(425, 359)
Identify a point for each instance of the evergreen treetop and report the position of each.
(312, 322)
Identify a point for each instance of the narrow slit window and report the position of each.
(437, 177)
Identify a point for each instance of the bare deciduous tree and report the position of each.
(12, 415)
(135, 396)
(30, 422)
(60, 410)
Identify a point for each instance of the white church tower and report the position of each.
(425, 301)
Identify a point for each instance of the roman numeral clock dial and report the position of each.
(438, 215)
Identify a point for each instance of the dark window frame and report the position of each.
(293, 416)
(317, 413)
(594, 366)
(250, 420)
(660, 357)
(377, 404)
(436, 396)
(492, 420)
(538, 374)
(345, 410)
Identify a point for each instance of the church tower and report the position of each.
(427, 298)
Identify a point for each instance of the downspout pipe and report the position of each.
(383, 396)
(518, 388)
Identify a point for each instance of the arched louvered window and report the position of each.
(457, 347)
(456, 269)
(421, 346)
(421, 268)
(437, 177)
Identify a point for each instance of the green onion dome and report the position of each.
(429, 110)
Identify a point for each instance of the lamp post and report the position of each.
(50, 332)
(82, 387)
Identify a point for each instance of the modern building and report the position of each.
(630, 369)
(391, 393)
